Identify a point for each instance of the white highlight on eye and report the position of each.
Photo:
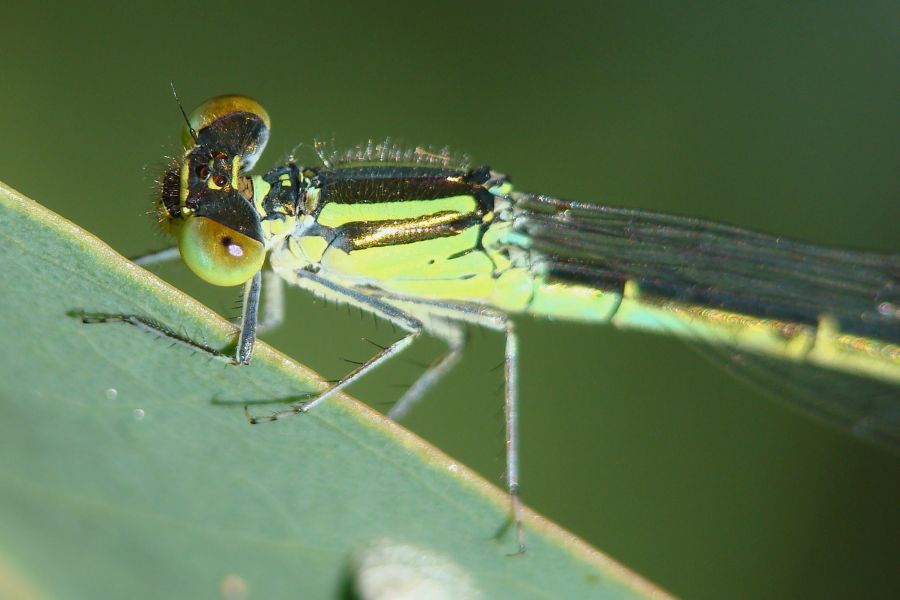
(235, 250)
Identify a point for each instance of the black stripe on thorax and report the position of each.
(371, 184)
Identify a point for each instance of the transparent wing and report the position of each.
(866, 408)
(699, 262)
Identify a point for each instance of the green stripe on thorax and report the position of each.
(334, 214)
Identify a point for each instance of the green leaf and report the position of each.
(129, 469)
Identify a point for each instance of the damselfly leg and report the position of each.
(445, 321)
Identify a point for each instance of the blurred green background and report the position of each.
(778, 116)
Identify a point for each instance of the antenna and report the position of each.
(184, 114)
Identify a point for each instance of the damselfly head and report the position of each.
(206, 199)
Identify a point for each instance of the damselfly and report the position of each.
(432, 245)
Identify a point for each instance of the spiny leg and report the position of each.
(249, 316)
(272, 301)
(511, 411)
(498, 322)
(153, 327)
(455, 337)
(502, 323)
(397, 316)
(246, 337)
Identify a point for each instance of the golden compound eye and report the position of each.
(222, 107)
(218, 254)
(220, 180)
(203, 172)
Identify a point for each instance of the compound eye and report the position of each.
(229, 118)
(217, 253)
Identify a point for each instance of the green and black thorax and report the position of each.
(378, 196)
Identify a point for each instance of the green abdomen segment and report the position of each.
(822, 344)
